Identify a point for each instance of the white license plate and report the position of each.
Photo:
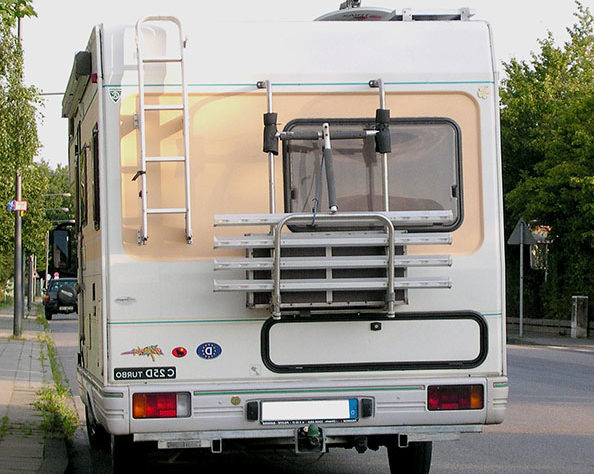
(66, 308)
(309, 411)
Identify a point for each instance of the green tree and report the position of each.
(18, 136)
(548, 163)
(13, 10)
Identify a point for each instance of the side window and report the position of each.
(96, 203)
(83, 186)
(424, 167)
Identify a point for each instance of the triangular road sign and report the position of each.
(521, 235)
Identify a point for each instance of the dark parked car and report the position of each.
(60, 297)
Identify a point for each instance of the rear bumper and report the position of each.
(217, 413)
(288, 437)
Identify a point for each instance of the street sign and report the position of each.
(521, 235)
(17, 206)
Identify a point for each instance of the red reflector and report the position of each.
(154, 405)
(455, 397)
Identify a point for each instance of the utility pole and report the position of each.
(19, 295)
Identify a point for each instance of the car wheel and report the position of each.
(414, 459)
(122, 458)
(98, 438)
(48, 314)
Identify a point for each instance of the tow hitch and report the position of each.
(310, 439)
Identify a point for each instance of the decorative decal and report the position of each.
(115, 95)
(179, 352)
(483, 92)
(209, 350)
(149, 351)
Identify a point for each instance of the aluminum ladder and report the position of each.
(151, 108)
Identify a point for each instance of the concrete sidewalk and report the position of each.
(23, 447)
(565, 342)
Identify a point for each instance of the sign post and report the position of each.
(19, 207)
(521, 236)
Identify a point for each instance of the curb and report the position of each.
(55, 457)
(581, 345)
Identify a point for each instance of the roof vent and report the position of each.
(351, 10)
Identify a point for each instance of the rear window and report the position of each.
(59, 283)
(423, 168)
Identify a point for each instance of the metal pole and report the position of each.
(271, 172)
(30, 283)
(379, 83)
(46, 259)
(522, 282)
(18, 264)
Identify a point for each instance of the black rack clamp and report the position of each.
(383, 140)
(270, 133)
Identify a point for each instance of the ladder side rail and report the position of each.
(186, 132)
(143, 236)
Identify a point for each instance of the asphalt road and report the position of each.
(549, 427)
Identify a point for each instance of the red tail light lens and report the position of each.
(455, 397)
(46, 298)
(161, 405)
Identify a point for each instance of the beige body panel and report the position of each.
(229, 171)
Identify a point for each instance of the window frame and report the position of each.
(96, 199)
(333, 122)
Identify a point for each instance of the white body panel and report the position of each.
(145, 299)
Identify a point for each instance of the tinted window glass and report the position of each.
(423, 168)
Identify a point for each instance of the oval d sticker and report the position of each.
(209, 350)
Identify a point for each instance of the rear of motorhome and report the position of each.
(289, 233)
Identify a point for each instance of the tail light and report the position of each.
(455, 397)
(161, 405)
(46, 298)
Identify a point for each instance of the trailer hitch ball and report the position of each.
(310, 438)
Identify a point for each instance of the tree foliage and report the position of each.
(547, 126)
(13, 10)
(18, 140)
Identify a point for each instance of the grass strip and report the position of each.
(54, 402)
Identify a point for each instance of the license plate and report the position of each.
(309, 411)
(66, 308)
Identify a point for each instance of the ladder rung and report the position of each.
(174, 210)
(163, 107)
(397, 217)
(162, 60)
(159, 159)
(304, 263)
(324, 239)
(339, 284)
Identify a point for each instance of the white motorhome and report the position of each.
(289, 234)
